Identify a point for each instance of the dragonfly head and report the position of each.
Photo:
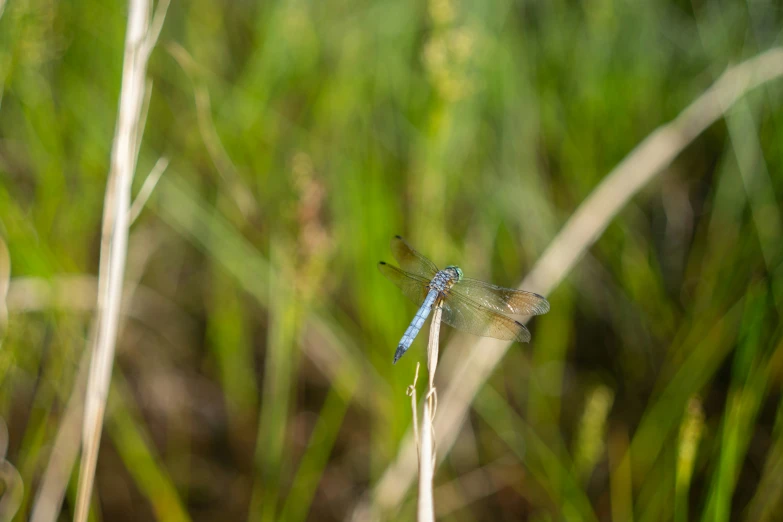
(457, 270)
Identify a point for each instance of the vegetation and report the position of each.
(253, 376)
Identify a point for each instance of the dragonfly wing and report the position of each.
(499, 299)
(413, 287)
(411, 260)
(466, 315)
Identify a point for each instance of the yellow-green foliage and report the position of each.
(253, 376)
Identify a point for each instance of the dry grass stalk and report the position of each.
(584, 227)
(427, 459)
(139, 41)
(146, 190)
(30, 294)
(414, 404)
(51, 490)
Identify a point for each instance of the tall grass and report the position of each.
(252, 376)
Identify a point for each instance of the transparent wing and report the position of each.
(466, 315)
(413, 287)
(411, 260)
(499, 299)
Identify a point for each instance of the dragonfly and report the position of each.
(469, 305)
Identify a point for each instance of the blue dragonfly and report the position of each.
(469, 305)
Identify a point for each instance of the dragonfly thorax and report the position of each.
(446, 278)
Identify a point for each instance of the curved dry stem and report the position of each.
(584, 227)
(239, 193)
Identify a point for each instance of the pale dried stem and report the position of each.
(147, 188)
(432, 349)
(71, 293)
(51, 490)
(116, 222)
(142, 120)
(427, 459)
(153, 33)
(584, 227)
(426, 507)
(414, 406)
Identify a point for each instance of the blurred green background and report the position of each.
(253, 378)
